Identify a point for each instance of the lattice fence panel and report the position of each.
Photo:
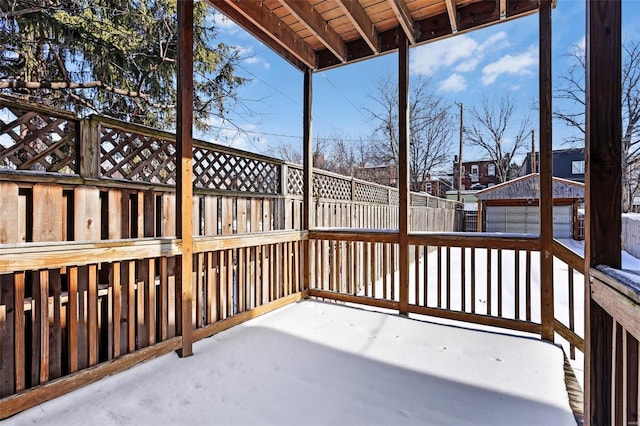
(295, 179)
(394, 197)
(31, 140)
(136, 157)
(231, 172)
(331, 188)
(418, 200)
(371, 193)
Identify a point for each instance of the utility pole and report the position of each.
(533, 151)
(461, 105)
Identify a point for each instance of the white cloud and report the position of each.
(469, 65)
(463, 52)
(427, 60)
(249, 57)
(225, 24)
(257, 60)
(522, 64)
(455, 83)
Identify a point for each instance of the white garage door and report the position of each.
(526, 220)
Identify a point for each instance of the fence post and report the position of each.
(89, 148)
(284, 176)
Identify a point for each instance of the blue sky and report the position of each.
(487, 62)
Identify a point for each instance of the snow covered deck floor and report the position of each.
(319, 363)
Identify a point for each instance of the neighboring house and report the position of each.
(476, 174)
(567, 164)
(437, 187)
(514, 207)
(383, 175)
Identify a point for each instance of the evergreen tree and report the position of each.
(113, 57)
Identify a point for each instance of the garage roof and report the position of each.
(528, 188)
(321, 34)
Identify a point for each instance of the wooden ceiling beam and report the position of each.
(404, 18)
(258, 20)
(313, 20)
(503, 9)
(359, 18)
(453, 15)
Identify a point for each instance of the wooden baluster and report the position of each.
(19, 331)
(517, 284)
(116, 315)
(489, 276)
(500, 283)
(463, 278)
(448, 260)
(92, 315)
(572, 349)
(426, 276)
(150, 297)
(528, 285)
(473, 280)
(439, 277)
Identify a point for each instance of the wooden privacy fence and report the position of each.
(89, 258)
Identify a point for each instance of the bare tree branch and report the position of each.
(492, 129)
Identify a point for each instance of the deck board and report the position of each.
(322, 363)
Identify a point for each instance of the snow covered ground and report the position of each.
(319, 363)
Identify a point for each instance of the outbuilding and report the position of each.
(514, 207)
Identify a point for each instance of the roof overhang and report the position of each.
(323, 34)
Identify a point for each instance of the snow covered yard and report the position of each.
(320, 363)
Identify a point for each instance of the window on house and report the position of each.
(577, 167)
(474, 173)
(491, 170)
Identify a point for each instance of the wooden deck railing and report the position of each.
(617, 295)
(488, 279)
(569, 297)
(89, 260)
(457, 276)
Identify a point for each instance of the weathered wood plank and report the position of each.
(92, 315)
(7, 315)
(86, 206)
(47, 198)
(56, 255)
(210, 215)
(9, 213)
(19, 331)
(163, 299)
(116, 314)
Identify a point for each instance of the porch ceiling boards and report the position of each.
(321, 34)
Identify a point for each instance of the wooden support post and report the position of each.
(184, 188)
(546, 174)
(307, 190)
(403, 166)
(89, 151)
(603, 223)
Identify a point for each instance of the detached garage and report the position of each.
(513, 206)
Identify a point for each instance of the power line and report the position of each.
(281, 135)
(357, 108)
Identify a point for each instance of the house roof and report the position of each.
(528, 188)
(321, 34)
